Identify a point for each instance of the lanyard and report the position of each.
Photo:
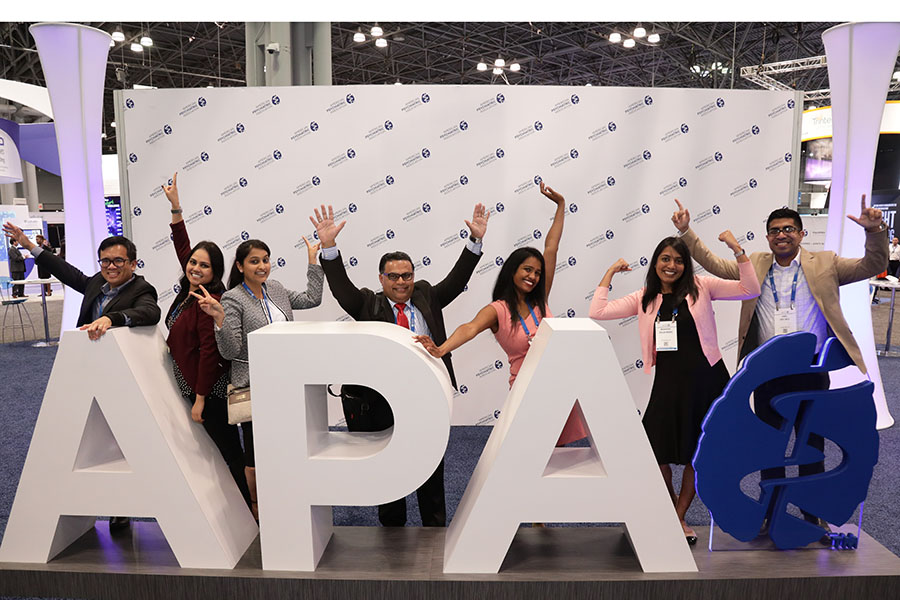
(793, 286)
(265, 300)
(534, 318)
(674, 313)
(410, 315)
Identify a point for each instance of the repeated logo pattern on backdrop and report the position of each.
(406, 164)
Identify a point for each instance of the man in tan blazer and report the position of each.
(800, 292)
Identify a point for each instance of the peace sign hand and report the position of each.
(210, 306)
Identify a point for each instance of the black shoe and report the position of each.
(118, 524)
(691, 539)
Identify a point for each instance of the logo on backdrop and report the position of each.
(245, 236)
(276, 155)
(573, 153)
(315, 180)
(353, 261)
(790, 104)
(140, 263)
(137, 211)
(752, 183)
(499, 261)
(463, 180)
(388, 125)
(463, 389)
(389, 180)
(500, 98)
(463, 125)
(610, 181)
(350, 99)
(313, 126)
(389, 234)
(685, 128)
(426, 152)
(201, 101)
(167, 129)
(426, 98)
(643, 261)
(133, 157)
(573, 208)
(718, 156)
(682, 182)
(639, 364)
(129, 103)
(242, 182)
(426, 261)
(537, 180)
(648, 100)
(463, 233)
(570, 313)
(846, 416)
(538, 125)
(279, 208)
(572, 261)
(536, 234)
(788, 157)
(645, 208)
(426, 207)
(204, 156)
(574, 99)
(499, 207)
(609, 234)
(207, 210)
(500, 153)
(239, 128)
(755, 130)
(280, 262)
(276, 100)
(611, 126)
(750, 235)
(351, 153)
(646, 155)
(720, 102)
(715, 209)
(176, 288)
(351, 207)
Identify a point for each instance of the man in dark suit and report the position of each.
(16, 269)
(114, 297)
(415, 305)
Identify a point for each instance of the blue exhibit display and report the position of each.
(735, 443)
(113, 206)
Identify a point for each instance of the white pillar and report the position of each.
(73, 58)
(861, 58)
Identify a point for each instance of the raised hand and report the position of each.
(325, 227)
(552, 194)
(15, 233)
(620, 266)
(312, 250)
(729, 240)
(171, 192)
(869, 218)
(478, 225)
(210, 306)
(429, 345)
(681, 218)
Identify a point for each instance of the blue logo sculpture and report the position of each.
(736, 442)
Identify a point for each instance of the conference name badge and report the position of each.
(785, 321)
(666, 336)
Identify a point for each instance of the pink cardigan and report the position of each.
(708, 288)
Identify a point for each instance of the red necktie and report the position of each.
(402, 321)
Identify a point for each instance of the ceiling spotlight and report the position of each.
(515, 67)
(482, 66)
(135, 47)
(118, 36)
(397, 82)
(381, 42)
(146, 41)
(615, 37)
(896, 75)
(376, 31)
(588, 85)
(639, 32)
(359, 36)
(498, 71)
(113, 124)
(210, 86)
(499, 62)
(653, 38)
(629, 43)
(112, 43)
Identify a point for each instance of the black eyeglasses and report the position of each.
(118, 261)
(396, 276)
(773, 231)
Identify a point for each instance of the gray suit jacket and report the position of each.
(245, 313)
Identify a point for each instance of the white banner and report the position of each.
(406, 164)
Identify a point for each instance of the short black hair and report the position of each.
(394, 256)
(119, 240)
(784, 213)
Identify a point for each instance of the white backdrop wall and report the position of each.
(406, 164)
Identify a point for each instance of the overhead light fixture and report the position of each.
(112, 43)
(515, 67)
(381, 42)
(146, 41)
(210, 86)
(376, 31)
(482, 66)
(113, 124)
(639, 32)
(397, 82)
(653, 38)
(118, 36)
(629, 43)
(498, 71)
(896, 75)
(135, 47)
(359, 36)
(589, 84)
(499, 62)
(615, 37)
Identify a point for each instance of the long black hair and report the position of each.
(236, 278)
(505, 289)
(684, 287)
(215, 286)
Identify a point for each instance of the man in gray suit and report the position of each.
(16, 269)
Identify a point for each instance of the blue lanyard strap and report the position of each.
(265, 299)
(793, 286)
(674, 313)
(410, 314)
(534, 318)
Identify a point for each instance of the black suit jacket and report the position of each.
(137, 300)
(365, 305)
(16, 260)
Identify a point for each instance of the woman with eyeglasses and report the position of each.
(519, 305)
(253, 301)
(677, 328)
(200, 371)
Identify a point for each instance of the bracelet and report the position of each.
(176, 211)
(741, 253)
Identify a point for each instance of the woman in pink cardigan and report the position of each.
(677, 326)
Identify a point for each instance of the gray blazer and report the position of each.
(245, 313)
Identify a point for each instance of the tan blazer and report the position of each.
(825, 272)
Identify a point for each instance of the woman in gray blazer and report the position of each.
(253, 301)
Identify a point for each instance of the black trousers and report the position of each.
(432, 504)
(762, 402)
(18, 290)
(893, 267)
(227, 440)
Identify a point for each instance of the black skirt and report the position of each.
(684, 388)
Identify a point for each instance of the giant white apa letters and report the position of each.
(115, 437)
(302, 468)
(521, 477)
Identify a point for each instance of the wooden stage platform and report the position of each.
(375, 563)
